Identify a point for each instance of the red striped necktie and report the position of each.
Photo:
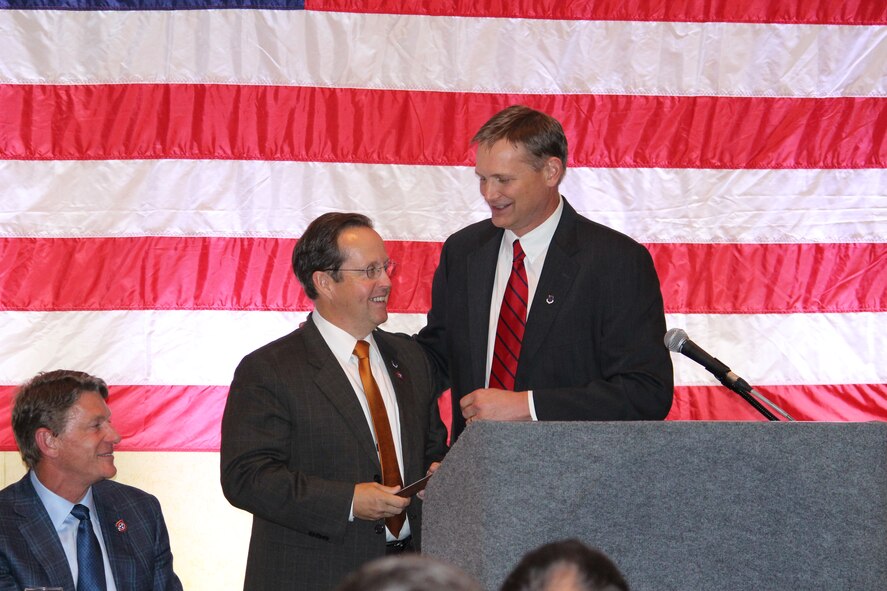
(512, 320)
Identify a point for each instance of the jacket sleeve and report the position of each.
(258, 472)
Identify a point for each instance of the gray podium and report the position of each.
(677, 505)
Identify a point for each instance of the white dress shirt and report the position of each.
(342, 345)
(66, 525)
(535, 246)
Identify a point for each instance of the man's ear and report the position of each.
(554, 171)
(47, 442)
(321, 281)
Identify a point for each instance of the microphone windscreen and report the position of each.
(675, 339)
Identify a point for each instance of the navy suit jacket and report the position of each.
(592, 348)
(295, 441)
(32, 555)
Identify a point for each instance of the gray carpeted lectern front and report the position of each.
(677, 505)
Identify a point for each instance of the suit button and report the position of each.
(380, 529)
(377, 478)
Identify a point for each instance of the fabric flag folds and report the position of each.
(158, 160)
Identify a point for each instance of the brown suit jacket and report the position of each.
(295, 441)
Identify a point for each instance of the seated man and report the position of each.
(65, 522)
(567, 565)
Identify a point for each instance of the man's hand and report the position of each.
(491, 404)
(373, 501)
(431, 470)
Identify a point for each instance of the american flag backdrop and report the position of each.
(158, 160)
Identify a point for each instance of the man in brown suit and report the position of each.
(299, 440)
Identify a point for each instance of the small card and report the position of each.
(413, 488)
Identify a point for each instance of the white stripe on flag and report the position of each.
(177, 347)
(428, 203)
(439, 53)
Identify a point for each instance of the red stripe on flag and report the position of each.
(838, 12)
(188, 418)
(180, 273)
(833, 402)
(150, 121)
(766, 278)
(151, 418)
(191, 273)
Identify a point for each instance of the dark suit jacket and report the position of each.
(592, 349)
(31, 554)
(295, 441)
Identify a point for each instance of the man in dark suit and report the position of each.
(66, 503)
(303, 449)
(581, 333)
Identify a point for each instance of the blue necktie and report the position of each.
(90, 565)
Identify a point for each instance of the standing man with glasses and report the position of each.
(65, 522)
(323, 426)
(539, 313)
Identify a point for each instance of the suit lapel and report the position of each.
(37, 529)
(332, 382)
(481, 263)
(553, 288)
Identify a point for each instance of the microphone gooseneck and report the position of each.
(677, 341)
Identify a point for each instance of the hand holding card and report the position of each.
(413, 488)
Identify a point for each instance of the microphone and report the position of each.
(676, 340)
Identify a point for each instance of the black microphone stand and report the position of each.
(743, 388)
(677, 341)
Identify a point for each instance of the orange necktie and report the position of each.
(385, 442)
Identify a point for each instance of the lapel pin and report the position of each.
(120, 525)
(394, 364)
(398, 375)
(549, 299)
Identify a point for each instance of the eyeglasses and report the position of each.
(373, 271)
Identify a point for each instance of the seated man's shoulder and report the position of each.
(118, 493)
(14, 491)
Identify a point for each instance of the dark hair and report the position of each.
(592, 569)
(408, 572)
(318, 248)
(541, 134)
(44, 401)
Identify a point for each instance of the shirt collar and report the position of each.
(340, 342)
(535, 242)
(59, 508)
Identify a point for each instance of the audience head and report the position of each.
(408, 572)
(567, 565)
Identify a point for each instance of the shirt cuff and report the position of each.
(532, 405)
